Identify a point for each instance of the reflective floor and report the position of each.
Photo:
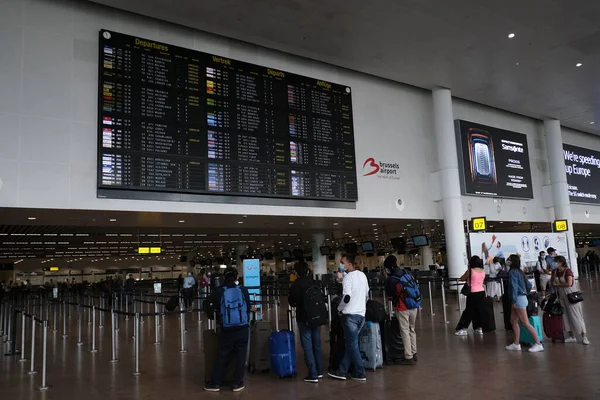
(449, 367)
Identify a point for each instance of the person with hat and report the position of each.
(233, 302)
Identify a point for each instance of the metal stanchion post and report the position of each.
(32, 369)
(385, 305)
(430, 299)
(55, 319)
(199, 307)
(2, 325)
(9, 330)
(65, 334)
(182, 333)
(101, 323)
(329, 309)
(23, 328)
(113, 333)
(127, 307)
(136, 372)
(93, 349)
(89, 313)
(44, 386)
(156, 324)
(444, 301)
(79, 318)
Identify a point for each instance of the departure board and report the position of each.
(181, 121)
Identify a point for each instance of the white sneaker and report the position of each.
(513, 347)
(479, 331)
(570, 340)
(585, 341)
(461, 332)
(536, 348)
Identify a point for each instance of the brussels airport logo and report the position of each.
(383, 170)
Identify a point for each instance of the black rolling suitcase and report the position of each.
(172, 304)
(393, 347)
(506, 309)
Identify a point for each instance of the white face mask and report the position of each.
(237, 283)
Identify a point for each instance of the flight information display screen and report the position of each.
(181, 121)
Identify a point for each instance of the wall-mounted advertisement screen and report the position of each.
(526, 244)
(495, 162)
(583, 174)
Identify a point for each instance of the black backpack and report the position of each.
(375, 311)
(315, 307)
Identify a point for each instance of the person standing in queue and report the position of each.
(474, 277)
(188, 289)
(233, 303)
(311, 314)
(519, 287)
(352, 308)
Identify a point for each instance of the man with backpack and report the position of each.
(404, 291)
(311, 314)
(233, 305)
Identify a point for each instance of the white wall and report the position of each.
(49, 83)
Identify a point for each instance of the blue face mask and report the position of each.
(342, 269)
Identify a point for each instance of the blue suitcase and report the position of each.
(283, 353)
(525, 337)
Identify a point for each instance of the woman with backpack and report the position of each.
(475, 292)
(519, 286)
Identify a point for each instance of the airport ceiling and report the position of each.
(463, 44)
(66, 236)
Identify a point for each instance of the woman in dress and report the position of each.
(562, 281)
(494, 287)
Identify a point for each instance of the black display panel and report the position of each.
(176, 120)
(583, 174)
(495, 162)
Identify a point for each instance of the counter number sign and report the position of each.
(561, 225)
(479, 224)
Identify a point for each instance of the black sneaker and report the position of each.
(406, 361)
(209, 387)
(337, 375)
(360, 378)
(238, 387)
(311, 380)
(415, 358)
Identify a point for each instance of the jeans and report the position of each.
(310, 338)
(352, 324)
(235, 342)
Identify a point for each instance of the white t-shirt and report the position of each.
(357, 287)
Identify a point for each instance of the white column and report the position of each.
(426, 257)
(239, 250)
(319, 262)
(560, 190)
(449, 181)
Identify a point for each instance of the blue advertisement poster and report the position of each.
(252, 280)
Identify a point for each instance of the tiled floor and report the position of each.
(449, 368)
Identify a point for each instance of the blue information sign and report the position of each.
(252, 280)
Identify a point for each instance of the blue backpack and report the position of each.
(234, 310)
(410, 292)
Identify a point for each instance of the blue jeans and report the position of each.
(352, 324)
(310, 338)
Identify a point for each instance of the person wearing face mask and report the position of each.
(352, 308)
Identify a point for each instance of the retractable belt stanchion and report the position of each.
(65, 334)
(136, 329)
(2, 308)
(113, 332)
(156, 324)
(444, 302)
(199, 307)
(55, 306)
(44, 386)
(23, 331)
(79, 318)
(93, 349)
(329, 308)
(32, 369)
(101, 323)
(182, 348)
(430, 299)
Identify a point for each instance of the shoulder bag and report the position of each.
(466, 289)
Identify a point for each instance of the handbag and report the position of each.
(552, 306)
(575, 297)
(466, 289)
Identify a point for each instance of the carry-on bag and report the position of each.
(282, 346)
(172, 303)
(553, 327)
(488, 319)
(369, 345)
(393, 347)
(525, 336)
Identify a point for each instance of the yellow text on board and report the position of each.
(561, 225)
(143, 250)
(155, 250)
(479, 224)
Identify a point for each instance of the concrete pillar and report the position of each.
(319, 262)
(448, 169)
(560, 190)
(426, 257)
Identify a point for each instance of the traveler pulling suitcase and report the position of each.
(369, 344)
(282, 346)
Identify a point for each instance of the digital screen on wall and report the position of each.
(495, 162)
(583, 174)
(175, 120)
